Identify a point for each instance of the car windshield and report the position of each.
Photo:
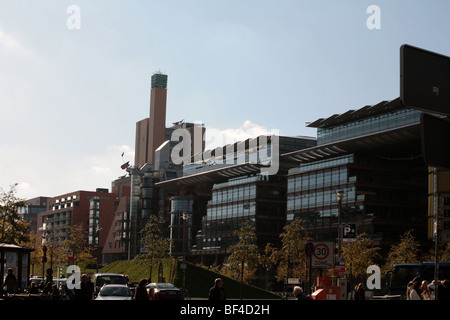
(115, 291)
(111, 279)
(165, 286)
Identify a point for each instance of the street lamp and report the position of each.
(185, 217)
(340, 197)
(44, 248)
(98, 228)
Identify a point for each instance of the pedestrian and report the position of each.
(360, 292)
(443, 290)
(86, 289)
(10, 282)
(41, 286)
(431, 290)
(141, 291)
(298, 294)
(47, 289)
(217, 292)
(425, 291)
(33, 289)
(55, 292)
(415, 293)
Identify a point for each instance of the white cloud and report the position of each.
(38, 175)
(10, 45)
(217, 138)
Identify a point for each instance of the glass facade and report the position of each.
(370, 125)
(259, 199)
(382, 196)
(385, 187)
(181, 214)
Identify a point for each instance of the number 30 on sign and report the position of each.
(322, 255)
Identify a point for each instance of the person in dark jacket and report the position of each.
(217, 292)
(10, 282)
(299, 295)
(86, 290)
(141, 291)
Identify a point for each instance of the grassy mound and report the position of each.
(198, 280)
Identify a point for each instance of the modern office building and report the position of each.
(226, 188)
(31, 210)
(372, 155)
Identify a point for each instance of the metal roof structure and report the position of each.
(212, 176)
(366, 142)
(355, 115)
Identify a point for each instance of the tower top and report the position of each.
(159, 80)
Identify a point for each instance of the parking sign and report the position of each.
(349, 232)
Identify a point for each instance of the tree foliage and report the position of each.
(245, 257)
(156, 246)
(406, 251)
(289, 260)
(77, 245)
(13, 228)
(359, 255)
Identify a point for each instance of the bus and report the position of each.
(401, 274)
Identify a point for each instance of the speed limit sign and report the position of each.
(322, 255)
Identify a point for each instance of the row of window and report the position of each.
(326, 163)
(181, 204)
(322, 179)
(238, 193)
(367, 126)
(231, 210)
(319, 199)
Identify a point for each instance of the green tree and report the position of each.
(156, 246)
(244, 256)
(444, 253)
(358, 256)
(13, 228)
(290, 260)
(77, 245)
(406, 251)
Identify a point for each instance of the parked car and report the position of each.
(101, 279)
(164, 291)
(115, 292)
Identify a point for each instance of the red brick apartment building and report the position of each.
(92, 210)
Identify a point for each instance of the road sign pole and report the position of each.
(436, 232)
(310, 275)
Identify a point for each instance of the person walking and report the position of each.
(47, 289)
(425, 291)
(33, 289)
(360, 292)
(141, 292)
(10, 282)
(414, 293)
(298, 294)
(443, 290)
(86, 289)
(217, 292)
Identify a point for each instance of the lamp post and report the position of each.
(43, 229)
(340, 197)
(98, 228)
(185, 250)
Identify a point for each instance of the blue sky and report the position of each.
(70, 98)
